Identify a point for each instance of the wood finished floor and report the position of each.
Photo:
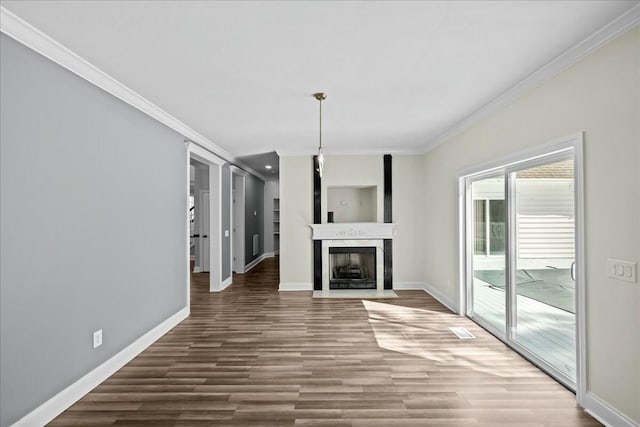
(253, 356)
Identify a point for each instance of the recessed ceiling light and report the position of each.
(268, 167)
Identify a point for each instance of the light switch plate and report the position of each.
(622, 270)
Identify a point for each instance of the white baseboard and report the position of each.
(197, 269)
(257, 261)
(53, 407)
(226, 283)
(291, 286)
(603, 412)
(444, 300)
(408, 286)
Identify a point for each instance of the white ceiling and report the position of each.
(397, 74)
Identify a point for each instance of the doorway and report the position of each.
(238, 219)
(204, 236)
(522, 269)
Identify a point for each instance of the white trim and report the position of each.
(353, 230)
(557, 145)
(196, 269)
(442, 298)
(204, 155)
(23, 32)
(230, 225)
(226, 283)
(430, 289)
(553, 151)
(238, 171)
(292, 286)
(613, 29)
(53, 407)
(581, 276)
(408, 286)
(336, 151)
(605, 413)
(28, 35)
(257, 261)
(215, 164)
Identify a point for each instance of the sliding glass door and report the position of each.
(520, 259)
(545, 258)
(488, 231)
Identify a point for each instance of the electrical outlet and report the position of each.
(226, 233)
(97, 338)
(621, 270)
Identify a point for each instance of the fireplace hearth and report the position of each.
(352, 267)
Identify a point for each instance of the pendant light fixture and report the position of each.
(320, 96)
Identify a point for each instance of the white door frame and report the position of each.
(528, 159)
(215, 214)
(237, 219)
(204, 231)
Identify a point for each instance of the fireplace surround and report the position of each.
(355, 238)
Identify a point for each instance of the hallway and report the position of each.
(251, 355)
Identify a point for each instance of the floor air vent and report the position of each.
(462, 333)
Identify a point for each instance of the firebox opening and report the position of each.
(352, 268)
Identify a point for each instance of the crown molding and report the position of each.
(23, 32)
(26, 34)
(613, 29)
(349, 152)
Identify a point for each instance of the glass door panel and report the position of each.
(544, 305)
(487, 222)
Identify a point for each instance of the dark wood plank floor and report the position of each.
(253, 356)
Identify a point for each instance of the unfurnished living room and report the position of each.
(336, 213)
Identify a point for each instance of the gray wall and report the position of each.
(226, 222)
(92, 229)
(254, 224)
(271, 191)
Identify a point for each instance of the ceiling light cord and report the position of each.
(320, 147)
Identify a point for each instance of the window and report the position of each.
(489, 216)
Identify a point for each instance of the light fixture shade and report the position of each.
(320, 162)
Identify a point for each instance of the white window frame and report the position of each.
(543, 154)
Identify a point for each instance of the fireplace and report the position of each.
(352, 267)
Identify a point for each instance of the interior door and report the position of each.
(205, 224)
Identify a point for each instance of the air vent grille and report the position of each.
(462, 333)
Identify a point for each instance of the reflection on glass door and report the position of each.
(489, 238)
(545, 284)
(520, 259)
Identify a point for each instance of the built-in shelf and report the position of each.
(276, 225)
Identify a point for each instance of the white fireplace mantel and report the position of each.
(353, 231)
